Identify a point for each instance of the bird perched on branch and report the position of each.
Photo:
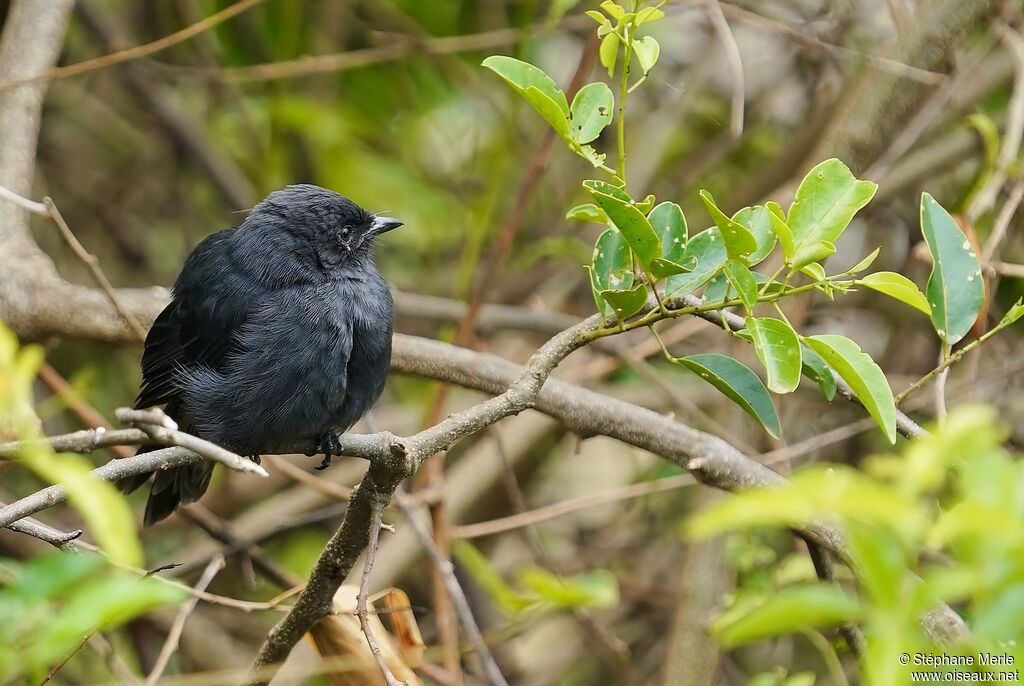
(278, 332)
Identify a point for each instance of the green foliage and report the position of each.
(538, 589)
(862, 374)
(779, 350)
(955, 288)
(104, 509)
(940, 522)
(899, 287)
(738, 383)
(51, 604)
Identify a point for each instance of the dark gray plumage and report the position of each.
(278, 333)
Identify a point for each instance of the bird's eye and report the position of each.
(345, 234)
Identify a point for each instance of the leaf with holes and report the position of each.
(778, 348)
(738, 383)
(899, 287)
(669, 223)
(955, 289)
(536, 87)
(865, 377)
(591, 111)
(635, 227)
(626, 303)
(611, 268)
(757, 220)
(706, 252)
(738, 241)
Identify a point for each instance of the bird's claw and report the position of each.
(255, 458)
(330, 445)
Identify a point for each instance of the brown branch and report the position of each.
(457, 595)
(364, 591)
(171, 644)
(137, 51)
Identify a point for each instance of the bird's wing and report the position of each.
(286, 376)
(211, 301)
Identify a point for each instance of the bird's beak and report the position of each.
(384, 224)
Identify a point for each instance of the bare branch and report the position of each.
(171, 644)
(732, 57)
(364, 592)
(447, 571)
(162, 430)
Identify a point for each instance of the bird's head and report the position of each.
(318, 227)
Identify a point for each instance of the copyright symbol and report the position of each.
(905, 659)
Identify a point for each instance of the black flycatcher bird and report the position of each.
(278, 334)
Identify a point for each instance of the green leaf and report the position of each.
(897, 286)
(815, 369)
(647, 15)
(757, 221)
(599, 589)
(669, 223)
(646, 204)
(955, 288)
(588, 212)
(811, 252)
(707, 251)
(588, 153)
(738, 241)
(797, 608)
(865, 377)
(635, 227)
(480, 568)
(626, 303)
(609, 53)
(591, 111)
(742, 281)
(866, 262)
(614, 10)
(814, 270)
(611, 268)
(826, 201)
(1011, 316)
(647, 51)
(664, 269)
(608, 189)
(738, 383)
(536, 87)
(778, 348)
(781, 230)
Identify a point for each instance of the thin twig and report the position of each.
(1013, 133)
(455, 592)
(138, 51)
(24, 203)
(735, 62)
(94, 267)
(801, 37)
(1002, 222)
(171, 644)
(377, 509)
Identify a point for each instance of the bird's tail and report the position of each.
(171, 487)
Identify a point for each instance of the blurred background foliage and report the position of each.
(148, 157)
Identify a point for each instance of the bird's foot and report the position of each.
(255, 458)
(330, 445)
